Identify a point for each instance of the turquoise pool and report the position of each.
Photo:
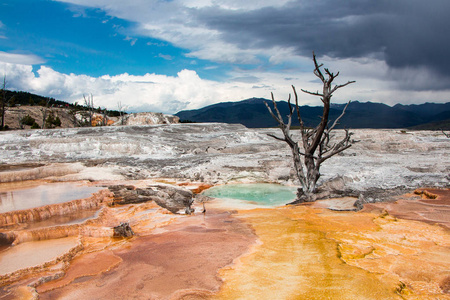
(262, 194)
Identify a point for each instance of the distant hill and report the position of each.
(253, 113)
(23, 109)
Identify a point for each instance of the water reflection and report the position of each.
(78, 217)
(262, 194)
(44, 194)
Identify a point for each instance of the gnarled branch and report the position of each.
(316, 141)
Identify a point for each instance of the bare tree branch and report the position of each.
(316, 141)
(276, 137)
(341, 86)
(339, 118)
(311, 93)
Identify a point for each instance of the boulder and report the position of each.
(123, 230)
(128, 194)
(173, 198)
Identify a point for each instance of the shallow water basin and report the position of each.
(253, 194)
(33, 254)
(12, 199)
(78, 217)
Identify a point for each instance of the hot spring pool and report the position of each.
(259, 194)
(42, 194)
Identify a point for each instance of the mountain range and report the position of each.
(253, 114)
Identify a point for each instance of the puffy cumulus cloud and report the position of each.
(187, 90)
(150, 92)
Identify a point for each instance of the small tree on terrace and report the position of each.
(317, 145)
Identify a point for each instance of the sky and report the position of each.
(172, 55)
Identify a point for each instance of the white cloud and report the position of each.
(165, 56)
(24, 59)
(187, 90)
(150, 92)
(132, 40)
(205, 30)
(233, 4)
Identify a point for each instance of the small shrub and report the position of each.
(35, 126)
(57, 122)
(27, 120)
(52, 121)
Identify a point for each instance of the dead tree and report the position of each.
(446, 134)
(316, 143)
(121, 110)
(104, 113)
(89, 103)
(4, 103)
(44, 112)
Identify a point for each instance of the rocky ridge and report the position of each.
(14, 114)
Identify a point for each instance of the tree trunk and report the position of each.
(316, 141)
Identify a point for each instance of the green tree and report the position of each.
(52, 121)
(27, 120)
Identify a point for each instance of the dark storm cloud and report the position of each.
(405, 33)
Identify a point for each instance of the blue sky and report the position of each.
(84, 40)
(155, 55)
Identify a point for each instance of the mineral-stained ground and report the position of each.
(396, 247)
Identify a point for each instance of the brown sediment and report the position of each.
(435, 196)
(181, 262)
(433, 206)
(89, 264)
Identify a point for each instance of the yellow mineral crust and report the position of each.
(309, 253)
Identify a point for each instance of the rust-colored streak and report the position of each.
(181, 262)
(90, 264)
(433, 207)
